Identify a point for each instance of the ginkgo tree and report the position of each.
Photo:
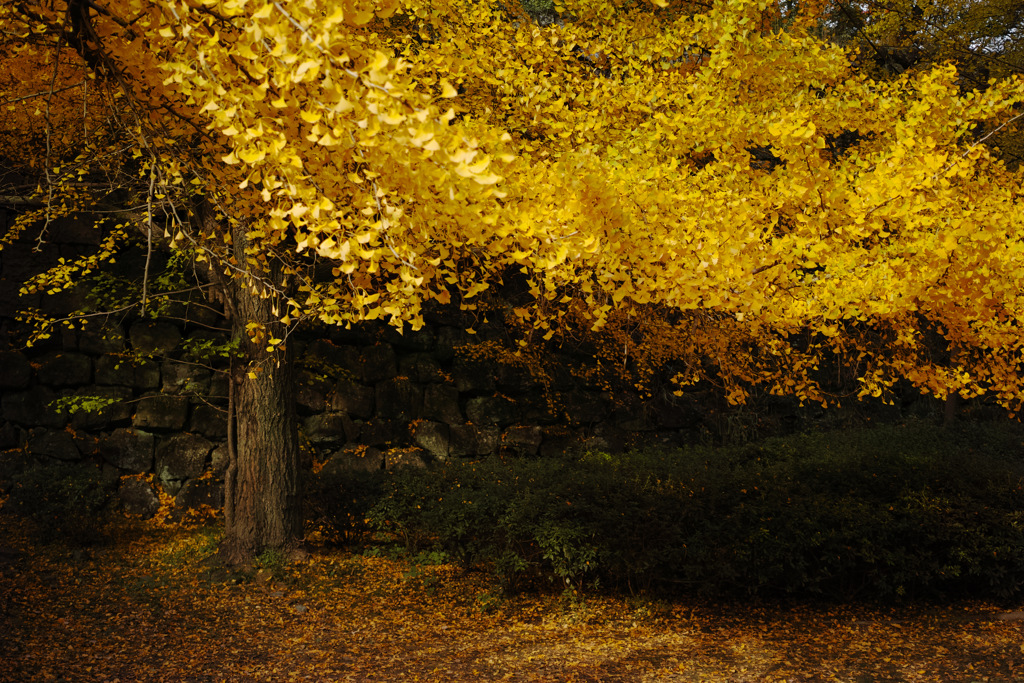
(794, 209)
(982, 38)
(272, 143)
(347, 160)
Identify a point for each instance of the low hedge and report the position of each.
(907, 510)
(66, 503)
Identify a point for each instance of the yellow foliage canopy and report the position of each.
(623, 159)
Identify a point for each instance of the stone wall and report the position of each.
(367, 398)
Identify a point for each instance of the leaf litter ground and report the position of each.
(150, 607)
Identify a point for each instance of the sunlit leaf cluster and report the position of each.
(719, 167)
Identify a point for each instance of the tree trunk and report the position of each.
(950, 409)
(262, 496)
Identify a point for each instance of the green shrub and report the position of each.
(877, 513)
(271, 564)
(338, 502)
(66, 503)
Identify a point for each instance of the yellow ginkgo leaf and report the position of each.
(447, 90)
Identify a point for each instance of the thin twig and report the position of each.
(975, 144)
(49, 151)
(149, 235)
(42, 93)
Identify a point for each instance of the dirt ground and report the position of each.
(151, 607)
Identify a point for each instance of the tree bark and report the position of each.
(950, 409)
(262, 496)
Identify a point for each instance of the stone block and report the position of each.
(200, 493)
(117, 371)
(154, 338)
(23, 260)
(355, 459)
(353, 398)
(100, 339)
(107, 417)
(180, 377)
(147, 375)
(219, 386)
(220, 460)
(311, 392)
(76, 229)
(360, 334)
(128, 449)
(560, 440)
(472, 440)
(384, 432)
(376, 364)
(182, 456)
(473, 376)
(537, 407)
(423, 339)
(161, 412)
(88, 444)
(610, 439)
(522, 440)
(339, 360)
(584, 407)
(127, 372)
(64, 369)
(329, 428)
(69, 302)
(487, 440)
(59, 445)
(420, 367)
(171, 486)
(441, 402)
(514, 378)
(433, 437)
(199, 311)
(399, 398)
(319, 352)
(138, 497)
(633, 418)
(15, 371)
(462, 441)
(565, 372)
(33, 408)
(335, 361)
(553, 449)
(448, 340)
(209, 420)
(10, 436)
(405, 457)
(492, 410)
